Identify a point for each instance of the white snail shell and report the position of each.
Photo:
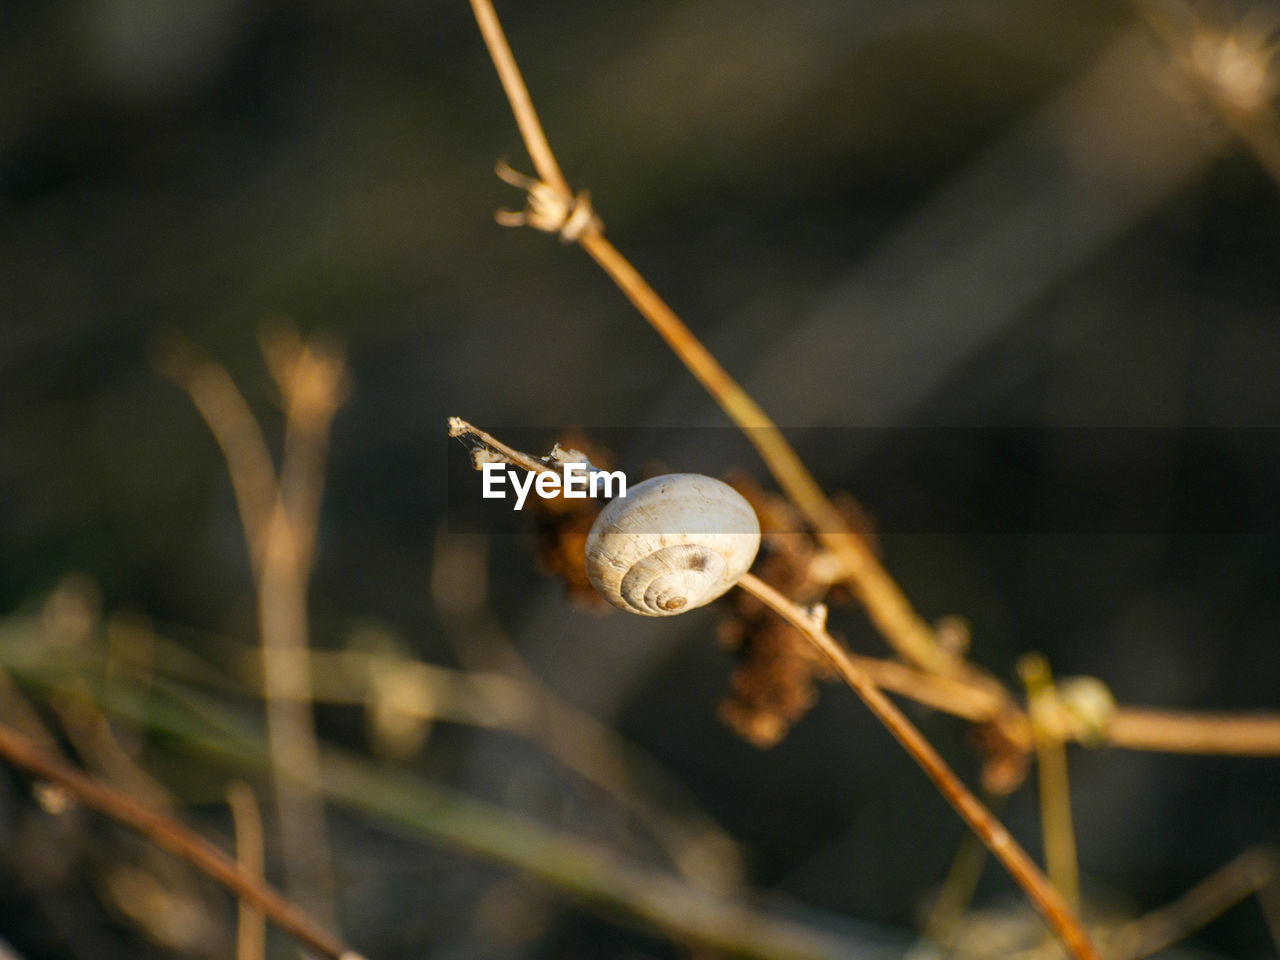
(671, 544)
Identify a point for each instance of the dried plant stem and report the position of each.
(460, 429)
(885, 603)
(251, 929)
(311, 382)
(544, 161)
(1168, 731)
(993, 834)
(279, 518)
(173, 837)
(1057, 828)
(883, 600)
(1130, 728)
(290, 729)
(234, 428)
(956, 892)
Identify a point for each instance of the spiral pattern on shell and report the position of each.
(674, 543)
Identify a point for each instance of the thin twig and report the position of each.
(544, 161)
(464, 431)
(175, 838)
(251, 929)
(279, 518)
(1057, 830)
(886, 605)
(1168, 731)
(229, 419)
(884, 601)
(313, 383)
(100, 752)
(957, 891)
(993, 834)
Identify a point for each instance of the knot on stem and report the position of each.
(548, 208)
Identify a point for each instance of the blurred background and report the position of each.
(878, 215)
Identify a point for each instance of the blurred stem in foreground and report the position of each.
(251, 929)
(172, 836)
(1057, 830)
(279, 516)
(1057, 913)
(583, 870)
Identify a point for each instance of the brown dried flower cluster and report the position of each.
(563, 525)
(774, 683)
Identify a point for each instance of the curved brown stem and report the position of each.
(991, 831)
(175, 838)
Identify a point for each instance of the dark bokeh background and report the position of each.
(877, 214)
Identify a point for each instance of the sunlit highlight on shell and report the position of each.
(674, 543)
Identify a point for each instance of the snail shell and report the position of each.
(671, 544)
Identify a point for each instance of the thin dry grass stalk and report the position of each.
(236, 431)
(251, 922)
(279, 516)
(1046, 899)
(1170, 731)
(177, 839)
(1056, 826)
